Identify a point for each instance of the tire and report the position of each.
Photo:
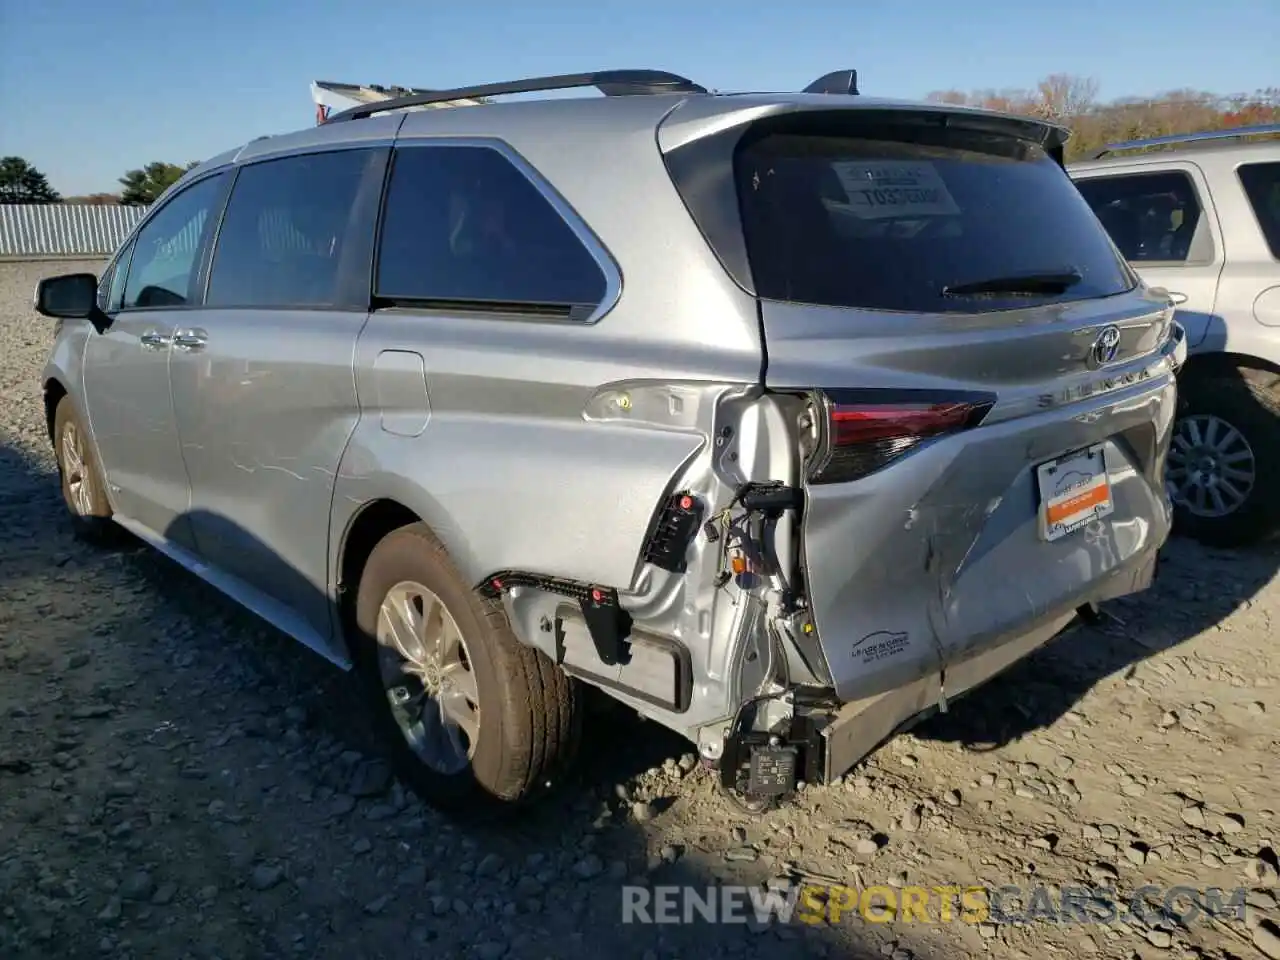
(1248, 403)
(84, 491)
(528, 712)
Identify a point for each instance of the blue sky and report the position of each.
(91, 88)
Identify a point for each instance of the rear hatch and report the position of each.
(990, 393)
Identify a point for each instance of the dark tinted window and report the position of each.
(887, 216)
(286, 230)
(1152, 217)
(463, 224)
(1262, 184)
(166, 253)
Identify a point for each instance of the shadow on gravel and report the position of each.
(552, 883)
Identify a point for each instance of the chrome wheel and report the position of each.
(1211, 469)
(428, 677)
(75, 472)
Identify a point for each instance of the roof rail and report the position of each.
(612, 83)
(1228, 134)
(839, 82)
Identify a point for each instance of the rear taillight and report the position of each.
(862, 431)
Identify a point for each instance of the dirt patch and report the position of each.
(179, 780)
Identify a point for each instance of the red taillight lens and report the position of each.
(866, 430)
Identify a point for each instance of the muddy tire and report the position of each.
(476, 722)
(1224, 466)
(84, 491)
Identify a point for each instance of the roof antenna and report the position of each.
(840, 82)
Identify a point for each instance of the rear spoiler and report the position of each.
(845, 82)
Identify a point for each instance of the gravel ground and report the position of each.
(178, 780)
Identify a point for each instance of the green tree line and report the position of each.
(21, 182)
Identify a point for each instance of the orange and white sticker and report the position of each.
(1078, 503)
(1074, 492)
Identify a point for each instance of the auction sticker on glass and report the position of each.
(1074, 491)
(888, 188)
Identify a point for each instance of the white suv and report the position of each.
(1201, 218)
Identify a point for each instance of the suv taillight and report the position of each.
(862, 431)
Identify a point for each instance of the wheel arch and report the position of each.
(1225, 363)
(1243, 390)
(371, 523)
(54, 391)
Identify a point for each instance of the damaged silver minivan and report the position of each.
(781, 418)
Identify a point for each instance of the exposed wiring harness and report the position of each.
(747, 532)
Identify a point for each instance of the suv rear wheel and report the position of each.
(1224, 465)
(475, 720)
(83, 490)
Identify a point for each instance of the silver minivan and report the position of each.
(781, 418)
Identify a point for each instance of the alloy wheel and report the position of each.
(74, 470)
(1211, 469)
(427, 673)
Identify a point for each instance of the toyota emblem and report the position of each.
(1106, 346)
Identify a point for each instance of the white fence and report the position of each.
(37, 230)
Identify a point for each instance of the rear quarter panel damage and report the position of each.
(957, 583)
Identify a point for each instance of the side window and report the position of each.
(464, 226)
(287, 230)
(1152, 217)
(167, 250)
(111, 290)
(104, 285)
(1261, 182)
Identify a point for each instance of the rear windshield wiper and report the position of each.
(1041, 282)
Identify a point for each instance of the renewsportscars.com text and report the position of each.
(820, 903)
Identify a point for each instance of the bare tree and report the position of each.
(957, 97)
(1073, 102)
(1062, 96)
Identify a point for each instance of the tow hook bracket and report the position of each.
(763, 767)
(772, 771)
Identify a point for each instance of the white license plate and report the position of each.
(1074, 492)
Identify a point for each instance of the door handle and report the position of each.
(154, 340)
(1176, 298)
(190, 339)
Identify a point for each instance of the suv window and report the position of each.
(167, 250)
(1152, 217)
(104, 285)
(111, 286)
(115, 296)
(464, 226)
(1261, 183)
(286, 230)
(885, 216)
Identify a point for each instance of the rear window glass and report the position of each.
(1262, 185)
(903, 218)
(1152, 217)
